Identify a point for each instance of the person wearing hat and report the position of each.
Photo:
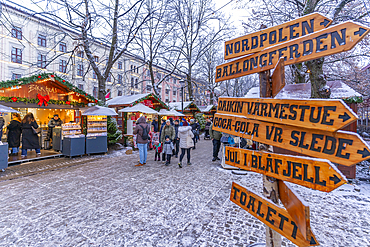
(167, 149)
(55, 121)
(168, 130)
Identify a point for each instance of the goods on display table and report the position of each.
(73, 140)
(96, 134)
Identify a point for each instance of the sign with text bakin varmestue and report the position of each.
(332, 40)
(275, 217)
(317, 174)
(265, 38)
(321, 114)
(345, 148)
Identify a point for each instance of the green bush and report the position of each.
(114, 134)
(201, 120)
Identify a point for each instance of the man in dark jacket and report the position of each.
(55, 121)
(14, 134)
(216, 141)
(155, 125)
(176, 141)
(195, 128)
(142, 139)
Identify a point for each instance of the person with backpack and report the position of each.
(142, 138)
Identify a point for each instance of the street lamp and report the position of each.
(182, 83)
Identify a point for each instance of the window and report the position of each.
(132, 82)
(62, 66)
(16, 55)
(174, 92)
(137, 70)
(41, 40)
(94, 75)
(148, 73)
(81, 86)
(134, 68)
(136, 83)
(80, 54)
(119, 78)
(174, 80)
(119, 65)
(148, 87)
(119, 93)
(41, 61)
(80, 69)
(96, 59)
(62, 47)
(159, 76)
(95, 92)
(16, 76)
(17, 32)
(109, 79)
(167, 91)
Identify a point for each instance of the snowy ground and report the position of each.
(109, 202)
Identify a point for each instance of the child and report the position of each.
(158, 150)
(167, 149)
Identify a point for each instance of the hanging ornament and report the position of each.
(39, 77)
(64, 80)
(14, 99)
(52, 75)
(96, 101)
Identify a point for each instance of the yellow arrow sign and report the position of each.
(265, 38)
(317, 174)
(322, 114)
(338, 38)
(341, 147)
(275, 217)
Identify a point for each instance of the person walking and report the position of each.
(30, 139)
(167, 150)
(142, 131)
(158, 151)
(197, 133)
(176, 141)
(216, 141)
(206, 128)
(186, 142)
(195, 129)
(2, 122)
(160, 130)
(168, 130)
(14, 134)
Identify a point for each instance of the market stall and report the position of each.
(208, 111)
(188, 108)
(121, 102)
(134, 112)
(95, 128)
(44, 95)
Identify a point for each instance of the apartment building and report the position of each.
(32, 44)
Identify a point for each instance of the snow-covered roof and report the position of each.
(139, 108)
(126, 99)
(254, 92)
(338, 89)
(206, 108)
(177, 105)
(98, 111)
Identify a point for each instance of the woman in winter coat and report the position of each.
(14, 134)
(30, 140)
(186, 141)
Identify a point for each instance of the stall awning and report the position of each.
(139, 108)
(98, 111)
(177, 114)
(164, 112)
(4, 108)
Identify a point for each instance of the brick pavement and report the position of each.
(109, 202)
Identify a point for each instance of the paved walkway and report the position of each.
(109, 202)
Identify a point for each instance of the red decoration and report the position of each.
(96, 101)
(148, 103)
(39, 76)
(68, 102)
(52, 75)
(64, 80)
(43, 99)
(14, 99)
(85, 94)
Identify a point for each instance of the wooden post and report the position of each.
(270, 185)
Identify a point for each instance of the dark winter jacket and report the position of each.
(29, 139)
(52, 123)
(214, 133)
(168, 130)
(176, 126)
(195, 127)
(140, 126)
(1, 123)
(155, 124)
(14, 134)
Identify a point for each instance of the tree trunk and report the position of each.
(190, 88)
(101, 82)
(299, 75)
(317, 79)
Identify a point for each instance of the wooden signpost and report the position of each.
(338, 38)
(317, 174)
(310, 127)
(275, 217)
(260, 40)
(321, 114)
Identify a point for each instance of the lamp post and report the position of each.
(182, 83)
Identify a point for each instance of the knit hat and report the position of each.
(184, 123)
(166, 137)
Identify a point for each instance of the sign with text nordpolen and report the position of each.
(335, 39)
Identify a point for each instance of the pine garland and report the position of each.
(36, 101)
(353, 99)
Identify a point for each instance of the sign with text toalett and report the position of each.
(335, 39)
(275, 217)
(322, 114)
(317, 174)
(265, 38)
(345, 148)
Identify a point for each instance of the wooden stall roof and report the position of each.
(131, 100)
(188, 106)
(41, 90)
